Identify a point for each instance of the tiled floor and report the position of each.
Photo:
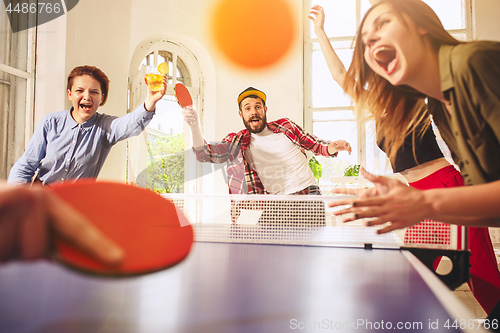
(465, 294)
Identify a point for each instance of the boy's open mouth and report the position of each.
(85, 107)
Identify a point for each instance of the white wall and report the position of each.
(50, 89)
(106, 33)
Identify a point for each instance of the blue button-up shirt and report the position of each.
(64, 150)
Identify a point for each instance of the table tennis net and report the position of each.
(300, 220)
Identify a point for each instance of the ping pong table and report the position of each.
(231, 287)
(241, 286)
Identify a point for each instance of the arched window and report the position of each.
(159, 159)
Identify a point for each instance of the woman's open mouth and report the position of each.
(386, 58)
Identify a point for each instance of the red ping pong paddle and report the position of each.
(152, 232)
(183, 95)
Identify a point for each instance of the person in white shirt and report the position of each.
(266, 157)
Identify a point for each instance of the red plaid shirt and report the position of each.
(242, 179)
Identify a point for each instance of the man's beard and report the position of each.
(259, 129)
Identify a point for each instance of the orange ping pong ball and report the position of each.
(253, 33)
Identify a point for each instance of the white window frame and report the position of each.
(15, 149)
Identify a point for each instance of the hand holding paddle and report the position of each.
(186, 102)
(190, 116)
(31, 217)
(153, 234)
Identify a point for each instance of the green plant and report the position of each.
(315, 167)
(165, 169)
(352, 170)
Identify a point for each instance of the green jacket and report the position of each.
(470, 80)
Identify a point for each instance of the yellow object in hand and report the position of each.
(163, 68)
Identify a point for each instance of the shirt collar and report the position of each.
(266, 131)
(86, 126)
(274, 126)
(445, 69)
(245, 140)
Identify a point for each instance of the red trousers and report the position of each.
(484, 279)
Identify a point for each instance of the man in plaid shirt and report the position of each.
(266, 157)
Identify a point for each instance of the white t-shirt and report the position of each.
(281, 166)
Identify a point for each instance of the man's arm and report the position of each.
(309, 141)
(339, 145)
(219, 152)
(192, 119)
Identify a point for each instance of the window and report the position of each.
(16, 86)
(328, 110)
(160, 159)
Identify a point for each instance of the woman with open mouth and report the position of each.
(402, 57)
(73, 144)
(421, 162)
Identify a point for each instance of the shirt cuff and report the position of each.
(144, 107)
(147, 114)
(204, 151)
(328, 152)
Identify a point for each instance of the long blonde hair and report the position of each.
(398, 111)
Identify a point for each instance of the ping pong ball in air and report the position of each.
(253, 33)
